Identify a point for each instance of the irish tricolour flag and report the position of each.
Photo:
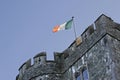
(64, 26)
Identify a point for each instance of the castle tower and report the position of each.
(94, 56)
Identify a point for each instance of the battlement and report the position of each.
(95, 32)
(64, 60)
(41, 63)
(39, 59)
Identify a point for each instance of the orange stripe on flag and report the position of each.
(55, 29)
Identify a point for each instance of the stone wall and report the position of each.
(95, 57)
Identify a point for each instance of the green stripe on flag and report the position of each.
(69, 24)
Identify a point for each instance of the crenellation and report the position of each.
(28, 64)
(95, 53)
(87, 32)
(40, 58)
(23, 68)
(66, 53)
(57, 57)
(48, 68)
(103, 23)
(103, 19)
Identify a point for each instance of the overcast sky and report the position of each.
(26, 27)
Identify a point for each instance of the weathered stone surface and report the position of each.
(96, 58)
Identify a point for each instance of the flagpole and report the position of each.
(74, 28)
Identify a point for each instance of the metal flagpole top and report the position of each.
(72, 17)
